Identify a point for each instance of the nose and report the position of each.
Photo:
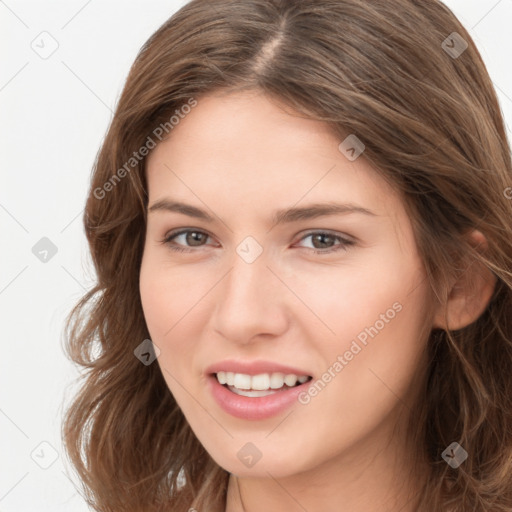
(250, 302)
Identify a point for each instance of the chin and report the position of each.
(257, 461)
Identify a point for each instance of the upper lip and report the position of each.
(254, 368)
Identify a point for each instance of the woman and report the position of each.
(300, 225)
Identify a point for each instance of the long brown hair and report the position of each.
(394, 74)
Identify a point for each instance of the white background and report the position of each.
(54, 115)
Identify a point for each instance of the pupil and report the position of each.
(321, 236)
(193, 237)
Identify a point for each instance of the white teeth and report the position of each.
(290, 380)
(242, 381)
(277, 380)
(261, 382)
(251, 393)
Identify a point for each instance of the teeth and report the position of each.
(251, 393)
(261, 382)
(290, 380)
(276, 380)
(242, 381)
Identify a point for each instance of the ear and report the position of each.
(470, 293)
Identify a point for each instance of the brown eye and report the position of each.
(324, 242)
(320, 240)
(194, 238)
(189, 238)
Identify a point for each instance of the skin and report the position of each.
(241, 157)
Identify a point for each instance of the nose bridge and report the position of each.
(247, 286)
(249, 301)
(249, 278)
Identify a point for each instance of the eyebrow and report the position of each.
(284, 216)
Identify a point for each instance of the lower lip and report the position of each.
(257, 408)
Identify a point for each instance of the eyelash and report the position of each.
(345, 243)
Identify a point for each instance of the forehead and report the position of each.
(247, 149)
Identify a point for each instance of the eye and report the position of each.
(322, 241)
(193, 237)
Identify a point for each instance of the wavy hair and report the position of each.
(432, 126)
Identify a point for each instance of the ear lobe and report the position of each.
(470, 293)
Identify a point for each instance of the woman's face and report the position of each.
(258, 279)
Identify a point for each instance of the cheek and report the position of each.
(175, 302)
(156, 299)
(168, 294)
(164, 303)
(376, 315)
(351, 297)
(381, 341)
(373, 379)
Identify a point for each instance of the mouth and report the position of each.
(263, 384)
(256, 397)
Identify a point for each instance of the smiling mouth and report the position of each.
(263, 384)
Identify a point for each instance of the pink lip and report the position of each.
(253, 368)
(257, 408)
